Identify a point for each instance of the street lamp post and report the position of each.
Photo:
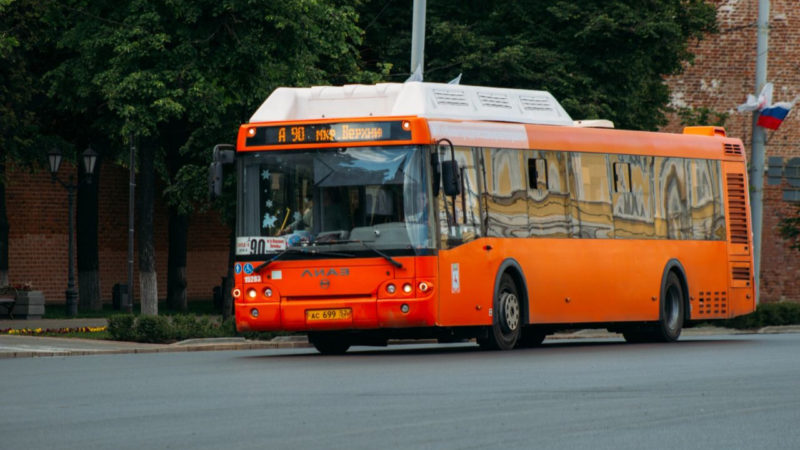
(54, 161)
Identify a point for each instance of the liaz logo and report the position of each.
(343, 272)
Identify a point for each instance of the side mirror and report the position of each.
(223, 153)
(215, 179)
(451, 178)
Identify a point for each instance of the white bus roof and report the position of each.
(429, 100)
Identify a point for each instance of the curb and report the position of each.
(229, 344)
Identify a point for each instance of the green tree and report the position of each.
(600, 58)
(183, 75)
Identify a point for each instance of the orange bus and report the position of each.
(451, 212)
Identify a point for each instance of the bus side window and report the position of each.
(548, 194)
(632, 198)
(506, 192)
(591, 196)
(465, 225)
(673, 219)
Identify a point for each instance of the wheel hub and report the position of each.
(510, 311)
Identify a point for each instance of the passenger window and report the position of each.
(460, 216)
(548, 209)
(632, 199)
(673, 220)
(507, 212)
(591, 199)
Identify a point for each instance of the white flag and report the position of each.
(757, 104)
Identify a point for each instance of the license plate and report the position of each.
(315, 315)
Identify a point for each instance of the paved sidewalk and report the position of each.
(14, 346)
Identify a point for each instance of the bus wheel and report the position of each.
(506, 317)
(329, 343)
(670, 322)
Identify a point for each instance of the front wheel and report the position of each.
(506, 317)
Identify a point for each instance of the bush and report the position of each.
(154, 329)
(767, 314)
(120, 327)
(164, 329)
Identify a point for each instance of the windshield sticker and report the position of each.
(237, 268)
(259, 245)
(248, 268)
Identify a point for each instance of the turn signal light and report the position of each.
(423, 286)
(236, 293)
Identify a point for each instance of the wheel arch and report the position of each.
(673, 265)
(513, 268)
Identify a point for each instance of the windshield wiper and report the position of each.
(394, 262)
(303, 251)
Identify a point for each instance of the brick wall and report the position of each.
(37, 214)
(720, 79)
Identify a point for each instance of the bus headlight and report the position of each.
(390, 288)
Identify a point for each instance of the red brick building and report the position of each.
(722, 75)
(720, 78)
(37, 215)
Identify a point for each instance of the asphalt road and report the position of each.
(721, 392)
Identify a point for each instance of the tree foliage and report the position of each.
(600, 58)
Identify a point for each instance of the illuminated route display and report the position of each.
(396, 130)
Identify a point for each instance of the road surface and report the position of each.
(719, 392)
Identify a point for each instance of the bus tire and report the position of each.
(506, 317)
(670, 320)
(329, 343)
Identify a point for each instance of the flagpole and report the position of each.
(758, 143)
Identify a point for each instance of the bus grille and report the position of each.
(737, 210)
(712, 303)
(741, 273)
(733, 149)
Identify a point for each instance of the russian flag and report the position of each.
(772, 116)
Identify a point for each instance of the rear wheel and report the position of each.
(670, 322)
(506, 317)
(329, 343)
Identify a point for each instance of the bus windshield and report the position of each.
(345, 199)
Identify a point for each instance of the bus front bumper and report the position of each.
(340, 314)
